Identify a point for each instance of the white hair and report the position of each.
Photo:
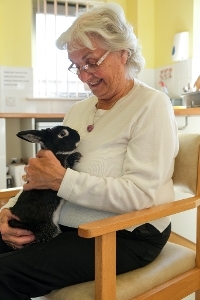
(106, 23)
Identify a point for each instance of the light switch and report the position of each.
(10, 101)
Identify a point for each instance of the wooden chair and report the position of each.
(174, 274)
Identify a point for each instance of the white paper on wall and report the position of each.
(16, 84)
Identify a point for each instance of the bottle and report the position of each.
(163, 87)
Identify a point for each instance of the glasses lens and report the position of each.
(90, 68)
(74, 70)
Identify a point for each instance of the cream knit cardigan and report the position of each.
(127, 160)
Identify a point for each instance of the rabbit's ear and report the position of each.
(33, 136)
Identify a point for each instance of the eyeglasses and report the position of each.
(89, 68)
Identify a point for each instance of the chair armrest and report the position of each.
(11, 192)
(112, 224)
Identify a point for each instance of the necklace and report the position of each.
(127, 89)
(91, 126)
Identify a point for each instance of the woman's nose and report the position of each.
(84, 76)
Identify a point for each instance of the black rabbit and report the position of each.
(38, 210)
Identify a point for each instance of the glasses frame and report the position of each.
(85, 67)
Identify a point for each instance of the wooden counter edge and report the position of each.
(178, 111)
(186, 111)
(33, 115)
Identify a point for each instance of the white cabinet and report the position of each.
(11, 145)
(16, 147)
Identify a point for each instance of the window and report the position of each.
(51, 77)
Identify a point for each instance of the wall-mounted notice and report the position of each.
(14, 78)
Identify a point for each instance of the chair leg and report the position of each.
(197, 295)
(105, 267)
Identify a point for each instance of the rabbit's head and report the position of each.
(59, 139)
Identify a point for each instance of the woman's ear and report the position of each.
(124, 55)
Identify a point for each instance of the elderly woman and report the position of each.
(128, 146)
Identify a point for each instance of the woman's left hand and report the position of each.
(44, 172)
(16, 238)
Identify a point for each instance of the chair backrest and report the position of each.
(186, 175)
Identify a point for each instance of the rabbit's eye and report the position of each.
(63, 133)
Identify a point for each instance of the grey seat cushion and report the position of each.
(172, 261)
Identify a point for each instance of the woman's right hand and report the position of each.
(16, 238)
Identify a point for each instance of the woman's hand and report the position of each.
(44, 172)
(16, 238)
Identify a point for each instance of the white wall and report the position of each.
(175, 76)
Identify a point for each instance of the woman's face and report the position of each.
(108, 82)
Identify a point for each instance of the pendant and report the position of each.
(90, 128)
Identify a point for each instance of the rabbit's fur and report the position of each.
(38, 210)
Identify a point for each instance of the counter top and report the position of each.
(186, 111)
(178, 111)
(32, 115)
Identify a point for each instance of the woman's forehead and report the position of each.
(82, 54)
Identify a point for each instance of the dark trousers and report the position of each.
(68, 259)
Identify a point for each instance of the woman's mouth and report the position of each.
(94, 83)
